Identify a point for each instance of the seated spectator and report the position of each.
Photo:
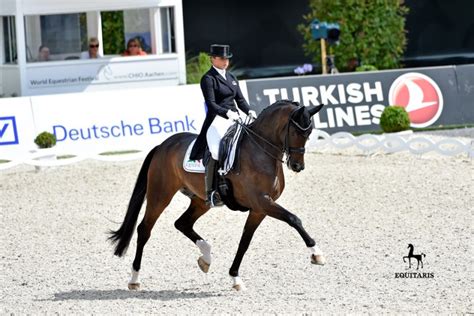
(43, 54)
(134, 48)
(93, 51)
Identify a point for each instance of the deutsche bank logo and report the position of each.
(8, 131)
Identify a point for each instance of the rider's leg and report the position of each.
(214, 135)
(212, 197)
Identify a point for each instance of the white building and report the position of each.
(65, 28)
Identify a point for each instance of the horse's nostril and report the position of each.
(297, 166)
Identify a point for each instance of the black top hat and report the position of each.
(220, 51)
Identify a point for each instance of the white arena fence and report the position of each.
(391, 143)
(319, 140)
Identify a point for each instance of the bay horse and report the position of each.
(281, 129)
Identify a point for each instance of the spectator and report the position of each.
(134, 48)
(43, 53)
(93, 51)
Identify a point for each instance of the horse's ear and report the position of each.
(313, 109)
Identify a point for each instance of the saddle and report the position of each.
(229, 152)
(229, 158)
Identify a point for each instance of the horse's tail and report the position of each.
(123, 235)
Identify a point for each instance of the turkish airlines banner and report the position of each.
(355, 101)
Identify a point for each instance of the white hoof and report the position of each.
(318, 259)
(203, 265)
(133, 286)
(238, 284)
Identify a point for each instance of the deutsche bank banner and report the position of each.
(355, 101)
(95, 122)
(16, 127)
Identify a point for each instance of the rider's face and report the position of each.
(220, 62)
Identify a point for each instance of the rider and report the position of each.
(220, 89)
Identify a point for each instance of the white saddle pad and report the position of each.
(189, 165)
(197, 166)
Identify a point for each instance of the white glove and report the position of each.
(234, 116)
(252, 114)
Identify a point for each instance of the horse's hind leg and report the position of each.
(158, 198)
(185, 224)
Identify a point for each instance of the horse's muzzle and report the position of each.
(296, 166)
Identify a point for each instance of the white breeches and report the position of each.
(215, 133)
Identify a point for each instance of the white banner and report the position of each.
(16, 128)
(120, 120)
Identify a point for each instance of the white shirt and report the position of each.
(220, 71)
(85, 55)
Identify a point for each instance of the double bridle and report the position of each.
(287, 149)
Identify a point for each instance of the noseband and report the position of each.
(287, 149)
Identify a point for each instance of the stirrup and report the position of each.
(214, 199)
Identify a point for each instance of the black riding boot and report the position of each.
(213, 198)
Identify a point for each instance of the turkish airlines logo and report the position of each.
(419, 95)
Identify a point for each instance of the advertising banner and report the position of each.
(94, 75)
(120, 120)
(355, 101)
(17, 130)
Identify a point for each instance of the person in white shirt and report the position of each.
(93, 51)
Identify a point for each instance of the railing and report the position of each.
(391, 143)
(319, 140)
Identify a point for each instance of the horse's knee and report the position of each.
(294, 221)
(181, 224)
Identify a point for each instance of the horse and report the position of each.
(411, 255)
(281, 129)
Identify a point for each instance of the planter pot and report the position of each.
(44, 154)
(396, 141)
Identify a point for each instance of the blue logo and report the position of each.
(8, 131)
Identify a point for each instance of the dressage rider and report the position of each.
(221, 92)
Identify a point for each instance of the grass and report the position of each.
(123, 152)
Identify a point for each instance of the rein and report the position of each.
(287, 148)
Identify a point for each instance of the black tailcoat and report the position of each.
(219, 94)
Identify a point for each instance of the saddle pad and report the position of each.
(195, 166)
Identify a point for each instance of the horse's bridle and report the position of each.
(287, 149)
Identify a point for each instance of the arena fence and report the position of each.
(319, 141)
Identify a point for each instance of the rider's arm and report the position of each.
(207, 87)
(239, 98)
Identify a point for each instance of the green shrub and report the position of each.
(113, 31)
(196, 67)
(366, 68)
(394, 119)
(372, 31)
(45, 140)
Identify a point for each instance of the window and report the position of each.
(65, 35)
(167, 30)
(9, 39)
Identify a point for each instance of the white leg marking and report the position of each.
(205, 249)
(134, 279)
(315, 250)
(238, 284)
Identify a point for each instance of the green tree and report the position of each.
(113, 32)
(196, 67)
(372, 31)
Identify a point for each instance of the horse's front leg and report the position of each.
(253, 221)
(275, 210)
